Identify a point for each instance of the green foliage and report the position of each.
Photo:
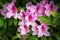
(34, 1)
(1, 4)
(43, 38)
(32, 38)
(1, 22)
(46, 20)
(54, 14)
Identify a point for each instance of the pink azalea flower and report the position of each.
(40, 30)
(47, 10)
(23, 29)
(38, 10)
(11, 8)
(30, 18)
(35, 29)
(43, 30)
(52, 6)
(30, 7)
(4, 12)
(22, 15)
(44, 2)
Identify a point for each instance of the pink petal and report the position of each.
(46, 27)
(13, 1)
(23, 32)
(8, 15)
(28, 31)
(47, 13)
(20, 23)
(6, 5)
(4, 12)
(15, 15)
(40, 34)
(46, 33)
(34, 33)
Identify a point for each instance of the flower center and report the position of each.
(23, 14)
(36, 28)
(25, 26)
(51, 7)
(43, 28)
(13, 9)
(37, 8)
(30, 17)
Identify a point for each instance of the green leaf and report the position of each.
(56, 21)
(1, 4)
(32, 38)
(58, 5)
(5, 24)
(19, 8)
(51, 29)
(43, 38)
(54, 14)
(1, 22)
(2, 31)
(17, 36)
(46, 20)
(28, 35)
(57, 35)
(15, 22)
(24, 2)
(5, 38)
(34, 1)
(51, 38)
(10, 21)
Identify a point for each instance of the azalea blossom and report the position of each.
(43, 30)
(30, 7)
(40, 30)
(23, 29)
(4, 12)
(9, 10)
(22, 15)
(30, 18)
(35, 29)
(44, 2)
(39, 10)
(52, 6)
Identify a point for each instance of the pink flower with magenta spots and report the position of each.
(43, 30)
(23, 29)
(35, 29)
(30, 18)
(40, 30)
(9, 10)
(22, 15)
(30, 7)
(39, 10)
(52, 6)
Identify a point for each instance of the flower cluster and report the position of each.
(29, 16)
